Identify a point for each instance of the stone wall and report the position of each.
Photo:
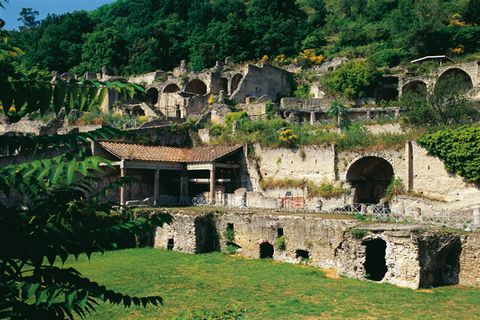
(469, 273)
(430, 178)
(404, 255)
(313, 163)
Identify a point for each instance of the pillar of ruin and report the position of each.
(156, 187)
(184, 185)
(476, 218)
(409, 165)
(312, 118)
(212, 185)
(122, 188)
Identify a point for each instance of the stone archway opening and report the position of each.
(266, 250)
(370, 176)
(151, 96)
(454, 80)
(386, 94)
(235, 82)
(196, 86)
(418, 88)
(171, 88)
(375, 264)
(222, 84)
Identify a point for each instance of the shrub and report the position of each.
(358, 233)
(287, 138)
(231, 117)
(395, 188)
(280, 243)
(458, 148)
(229, 234)
(231, 248)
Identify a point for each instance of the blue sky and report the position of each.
(12, 9)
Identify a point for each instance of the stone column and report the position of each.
(184, 185)
(312, 118)
(122, 188)
(156, 187)
(476, 218)
(409, 165)
(212, 185)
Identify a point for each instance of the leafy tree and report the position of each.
(446, 103)
(472, 12)
(337, 110)
(62, 213)
(354, 79)
(28, 18)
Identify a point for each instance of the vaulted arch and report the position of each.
(415, 87)
(196, 86)
(370, 176)
(171, 88)
(151, 96)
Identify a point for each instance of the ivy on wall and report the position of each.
(458, 148)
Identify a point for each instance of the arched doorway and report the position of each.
(266, 250)
(370, 176)
(196, 86)
(221, 84)
(235, 82)
(151, 97)
(375, 264)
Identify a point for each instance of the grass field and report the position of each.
(265, 288)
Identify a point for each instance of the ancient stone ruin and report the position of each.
(404, 255)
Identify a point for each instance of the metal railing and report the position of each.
(460, 219)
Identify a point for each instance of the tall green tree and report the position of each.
(27, 16)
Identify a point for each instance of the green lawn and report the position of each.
(265, 288)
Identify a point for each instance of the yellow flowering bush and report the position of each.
(288, 138)
(308, 58)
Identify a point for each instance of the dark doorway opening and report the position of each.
(280, 232)
(266, 250)
(375, 265)
(151, 97)
(443, 267)
(303, 254)
(206, 234)
(170, 244)
(370, 176)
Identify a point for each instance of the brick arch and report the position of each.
(370, 176)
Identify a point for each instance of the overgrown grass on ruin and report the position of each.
(267, 289)
(325, 189)
(268, 133)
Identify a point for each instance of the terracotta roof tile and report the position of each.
(129, 151)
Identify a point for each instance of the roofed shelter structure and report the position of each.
(179, 172)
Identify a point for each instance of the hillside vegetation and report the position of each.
(139, 36)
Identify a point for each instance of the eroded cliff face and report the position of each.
(404, 255)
